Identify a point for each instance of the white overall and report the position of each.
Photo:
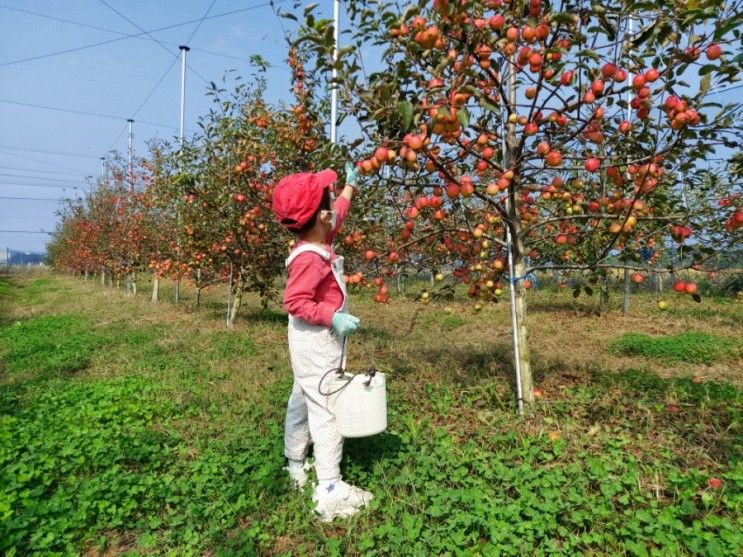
(313, 350)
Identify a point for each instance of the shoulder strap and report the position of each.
(305, 248)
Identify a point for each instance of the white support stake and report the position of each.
(509, 248)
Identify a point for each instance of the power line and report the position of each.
(152, 92)
(118, 136)
(100, 43)
(80, 24)
(49, 152)
(34, 198)
(117, 12)
(25, 232)
(37, 178)
(43, 162)
(209, 9)
(175, 58)
(38, 170)
(42, 186)
(97, 114)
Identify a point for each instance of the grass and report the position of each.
(167, 437)
(48, 345)
(691, 346)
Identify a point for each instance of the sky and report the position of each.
(68, 87)
(46, 141)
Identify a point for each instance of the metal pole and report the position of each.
(509, 246)
(625, 286)
(129, 169)
(184, 50)
(7, 259)
(334, 85)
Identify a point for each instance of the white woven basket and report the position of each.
(361, 410)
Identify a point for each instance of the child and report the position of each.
(316, 300)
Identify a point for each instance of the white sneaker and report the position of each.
(342, 500)
(299, 476)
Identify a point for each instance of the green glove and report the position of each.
(352, 175)
(345, 323)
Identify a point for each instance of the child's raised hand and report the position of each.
(345, 323)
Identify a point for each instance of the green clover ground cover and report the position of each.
(697, 347)
(151, 459)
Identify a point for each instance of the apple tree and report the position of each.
(517, 136)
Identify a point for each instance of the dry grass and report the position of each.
(565, 335)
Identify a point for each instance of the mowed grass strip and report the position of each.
(697, 347)
(170, 442)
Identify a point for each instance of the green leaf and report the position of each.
(705, 83)
(288, 15)
(563, 17)
(463, 116)
(588, 290)
(725, 28)
(405, 108)
(644, 35)
(487, 105)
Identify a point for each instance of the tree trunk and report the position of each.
(178, 291)
(134, 284)
(103, 276)
(86, 273)
(513, 227)
(625, 304)
(118, 283)
(524, 356)
(236, 302)
(603, 294)
(197, 302)
(155, 289)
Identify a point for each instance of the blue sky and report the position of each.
(51, 142)
(40, 147)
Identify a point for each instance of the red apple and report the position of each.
(652, 75)
(714, 51)
(715, 483)
(608, 70)
(592, 164)
(553, 158)
(566, 78)
(497, 22)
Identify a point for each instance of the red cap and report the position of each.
(297, 196)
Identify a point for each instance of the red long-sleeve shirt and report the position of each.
(312, 294)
